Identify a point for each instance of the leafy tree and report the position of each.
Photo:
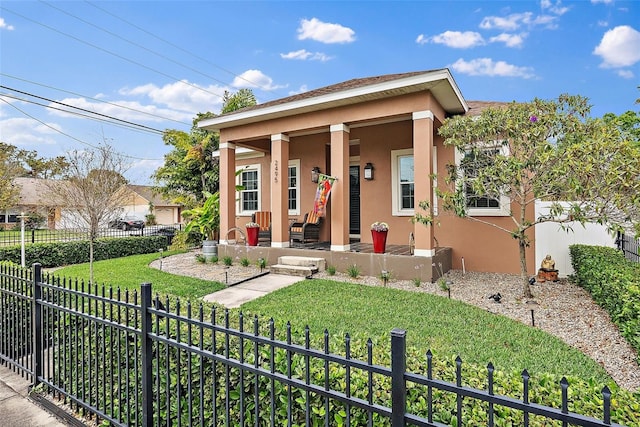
(628, 122)
(9, 169)
(190, 171)
(555, 152)
(28, 164)
(93, 188)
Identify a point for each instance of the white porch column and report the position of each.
(340, 189)
(423, 187)
(227, 190)
(279, 191)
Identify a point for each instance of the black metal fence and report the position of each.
(135, 360)
(14, 237)
(629, 245)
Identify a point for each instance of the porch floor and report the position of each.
(356, 246)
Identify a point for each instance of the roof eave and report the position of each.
(449, 96)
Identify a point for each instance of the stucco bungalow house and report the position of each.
(386, 126)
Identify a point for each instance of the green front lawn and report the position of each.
(130, 272)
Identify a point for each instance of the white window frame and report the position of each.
(396, 209)
(295, 164)
(504, 202)
(248, 168)
(395, 182)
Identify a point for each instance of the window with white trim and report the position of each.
(402, 181)
(467, 163)
(293, 187)
(249, 196)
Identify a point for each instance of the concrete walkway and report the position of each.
(235, 296)
(16, 409)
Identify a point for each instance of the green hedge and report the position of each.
(613, 282)
(65, 253)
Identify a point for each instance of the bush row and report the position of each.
(613, 282)
(65, 253)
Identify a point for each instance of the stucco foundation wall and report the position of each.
(401, 267)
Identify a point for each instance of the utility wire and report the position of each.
(111, 33)
(84, 110)
(95, 99)
(66, 134)
(176, 46)
(75, 113)
(112, 53)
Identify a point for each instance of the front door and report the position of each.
(354, 200)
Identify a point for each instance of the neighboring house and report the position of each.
(389, 122)
(141, 199)
(34, 198)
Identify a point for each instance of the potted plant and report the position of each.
(379, 232)
(206, 219)
(252, 233)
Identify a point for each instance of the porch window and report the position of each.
(402, 176)
(249, 199)
(468, 163)
(293, 187)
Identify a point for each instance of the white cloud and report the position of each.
(304, 54)
(556, 8)
(603, 23)
(254, 79)
(5, 26)
(455, 39)
(510, 40)
(488, 67)
(507, 23)
(302, 89)
(602, 1)
(626, 74)
(324, 32)
(25, 132)
(619, 47)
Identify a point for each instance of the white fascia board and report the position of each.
(306, 104)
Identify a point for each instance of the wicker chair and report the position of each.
(306, 231)
(264, 219)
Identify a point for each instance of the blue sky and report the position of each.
(157, 64)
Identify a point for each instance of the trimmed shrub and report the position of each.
(64, 253)
(613, 282)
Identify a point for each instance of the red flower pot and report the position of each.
(379, 241)
(252, 236)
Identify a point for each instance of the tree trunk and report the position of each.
(91, 261)
(523, 270)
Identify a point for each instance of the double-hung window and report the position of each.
(402, 176)
(293, 187)
(249, 198)
(469, 162)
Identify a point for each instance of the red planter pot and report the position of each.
(252, 236)
(379, 241)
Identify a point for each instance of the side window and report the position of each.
(293, 187)
(249, 197)
(402, 181)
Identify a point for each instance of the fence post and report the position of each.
(398, 369)
(37, 324)
(147, 355)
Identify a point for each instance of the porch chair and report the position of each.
(263, 218)
(306, 231)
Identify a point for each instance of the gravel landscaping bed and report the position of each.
(561, 308)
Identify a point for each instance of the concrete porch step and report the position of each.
(292, 270)
(319, 264)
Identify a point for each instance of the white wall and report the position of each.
(553, 240)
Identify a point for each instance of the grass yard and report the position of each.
(130, 272)
(447, 327)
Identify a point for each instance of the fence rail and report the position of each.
(135, 360)
(629, 245)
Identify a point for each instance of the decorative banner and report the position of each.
(325, 182)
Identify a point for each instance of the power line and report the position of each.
(66, 134)
(126, 122)
(112, 53)
(95, 99)
(75, 113)
(175, 46)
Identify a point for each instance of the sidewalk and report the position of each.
(16, 409)
(235, 296)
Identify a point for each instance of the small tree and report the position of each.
(548, 150)
(94, 190)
